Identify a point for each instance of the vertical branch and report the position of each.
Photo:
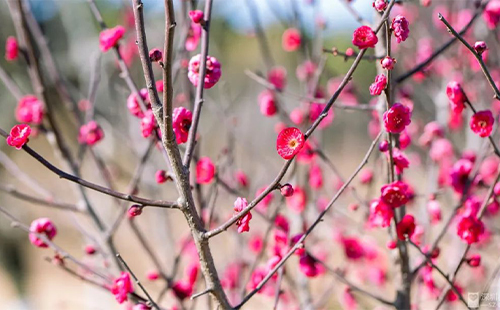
(199, 89)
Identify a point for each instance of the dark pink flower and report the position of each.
(482, 122)
(212, 74)
(11, 49)
(267, 103)
(291, 40)
(474, 260)
(309, 266)
(90, 249)
(315, 177)
(108, 38)
(460, 174)
(379, 85)
(297, 202)
(90, 133)
(134, 210)
(159, 86)
(161, 176)
(286, 190)
(395, 194)
(364, 37)
(289, 142)
(152, 275)
(122, 286)
(43, 226)
(241, 179)
(353, 249)
(456, 96)
(196, 16)
(491, 14)
(18, 136)
(470, 228)
(406, 227)
(205, 170)
(366, 176)
(349, 301)
(182, 119)
(397, 118)
(400, 160)
(441, 149)
(400, 26)
(155, 55)
(182, 289)
(148, 124)
(244, 222)
(480, 47)
(277, 77)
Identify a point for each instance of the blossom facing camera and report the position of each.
(108, 38)
(11, 49)
(397, 118)
(242, 223)
(122, 286)
(289, 142)
(470, 228)
(43, 226)
(205, 170)
(379, 85)
(291, 40)
(18, 136)
(364, 37)
(212, 74)
(481, 123)
(182, 119)
(395, 194)
(155, 55)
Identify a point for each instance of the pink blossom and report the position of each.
(395, 194)
(256, 243)
(241, 179)
(315, 110)
(133, 104)
(297, 202)
(161, 176)
(315, 177)
(404, 139)
(282, 223)
(456, 96)
(18, 136)
(134, 210)
(349, 302)
(379, 5)
(264, 203)
(353, 249)
(43, 226)
(491, 14)
(400, 26)
(286, 190)
(90, 249)
(193, 37)
(482, 122)
(277, 77)
(182, 119)
(470, 228)
(148, 124)
(441, 149)
(460, 174)
(474, 260)
(108, 38)
(381, 214)
(388, 62)
(434, 210)
(297, 116)
(397, 118)
(309, 266)
(196, 16)
(291, 40)
(152, 275)
(11, 49)
(122, 286)
(400, 160)
(155, 55)
(379, 85)
(480, 47)
(90, 133)
(205, 170)
(364, 37)
(244, 222)
(406, 227)
(212, 74)
(182, 289)
(366, 176)
(267, 103)
(305, 71)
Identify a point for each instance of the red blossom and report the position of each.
(18, 136)
(108, 38)
(289, 142)
(43, 226)
(482, 122)
(364, 37)
(406, 227)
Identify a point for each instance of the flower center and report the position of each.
(293, 143)
(482, 124)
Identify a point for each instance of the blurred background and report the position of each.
(231, 120)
